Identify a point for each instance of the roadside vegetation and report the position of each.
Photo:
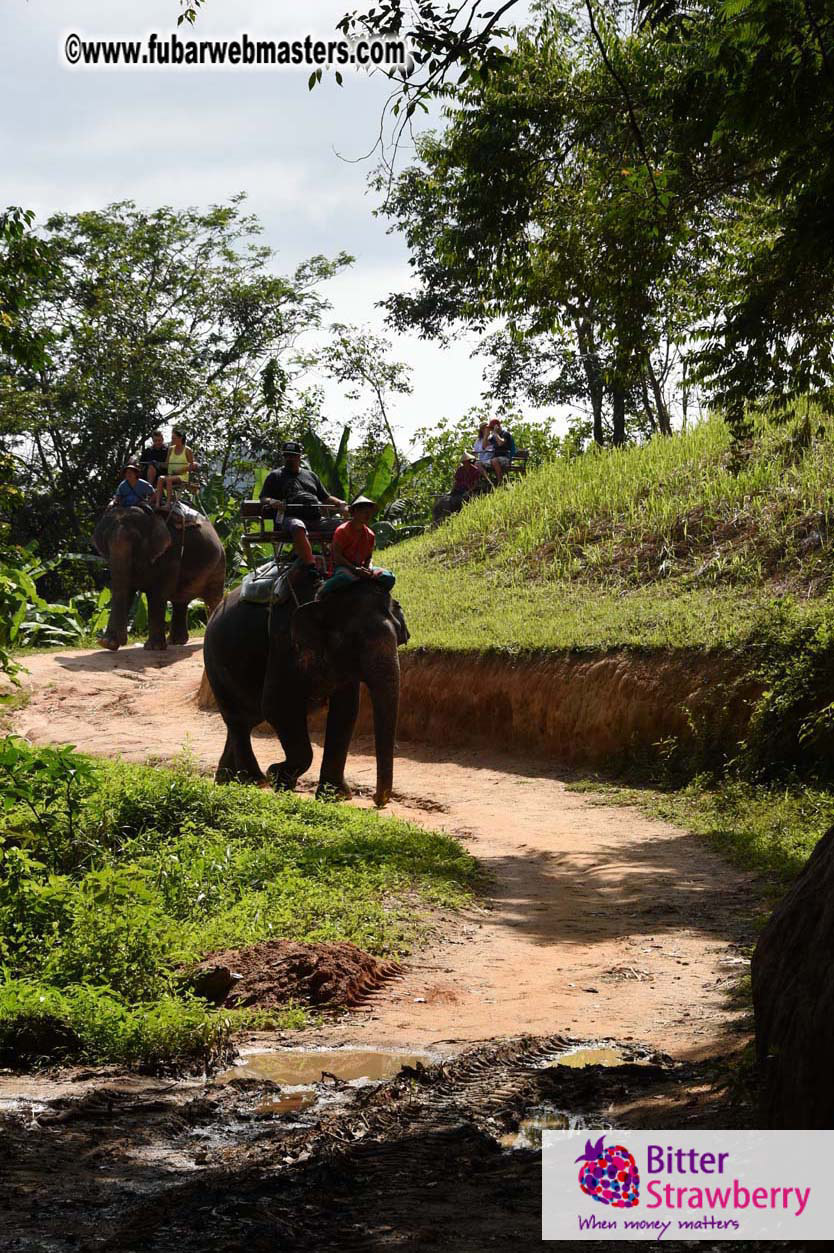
(116, 879)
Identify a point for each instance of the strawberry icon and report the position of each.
(609, 1175)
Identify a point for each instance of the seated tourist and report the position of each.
(353, 546)
(503, 446)
(469, 476)
(179, 467)
(152, 459)
(484, 447)
(132, 490)
(301, 493)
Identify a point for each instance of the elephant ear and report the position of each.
(102, 533)
(398, 618)
(159, 540)
(309, 632)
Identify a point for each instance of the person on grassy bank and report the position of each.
(503, 446)
(353, 546)
(469, 477)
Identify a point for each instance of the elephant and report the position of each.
(450, 503)
(149, 553)
(276, 663)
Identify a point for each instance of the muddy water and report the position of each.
(294, 1067)
(547, 1118)
(579, 1058)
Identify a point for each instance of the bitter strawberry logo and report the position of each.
(609, 1175)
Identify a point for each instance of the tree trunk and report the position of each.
(618, 399)
(593, 374)
(663, 419)
(647, 404)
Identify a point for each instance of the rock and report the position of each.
(793, 999)
(213, 982)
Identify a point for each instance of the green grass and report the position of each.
(665, 545)
(107, 899)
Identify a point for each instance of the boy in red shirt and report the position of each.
(353, 546)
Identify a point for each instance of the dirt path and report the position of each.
(600, 922)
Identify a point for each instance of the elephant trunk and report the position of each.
(382, 678)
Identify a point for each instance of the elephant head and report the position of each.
(132, 540)
(354, 635)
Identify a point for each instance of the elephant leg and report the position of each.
(179, 624)
(341, 719)
(238, 762)
(156, 621)
(290, 723)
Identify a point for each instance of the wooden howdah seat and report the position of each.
(259, 532)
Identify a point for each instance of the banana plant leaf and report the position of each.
(329, 468)
(260, 478)
(383, 476)
(395, 487)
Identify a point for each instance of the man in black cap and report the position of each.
(301, 492)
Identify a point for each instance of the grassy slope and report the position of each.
(650, 547)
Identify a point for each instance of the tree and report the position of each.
(533, 206)
(152, 317)
(359, 358)
(750, 91)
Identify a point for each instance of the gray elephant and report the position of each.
(277, 663)
(450, 503)
(150, 553)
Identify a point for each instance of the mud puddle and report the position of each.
(579, 1058)
(410, 1162)
(307, 1066)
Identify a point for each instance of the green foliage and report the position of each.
(151, 313)
(791, 731)
(42, 794)
(25, 262)
(89, 1023)
(384, 476)
(113, 879)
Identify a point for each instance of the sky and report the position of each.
(74, 139)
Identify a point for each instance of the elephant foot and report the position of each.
(105, 641)
(178, 640)
(333, 791)
(225, 775)
(381, 799)
(280, 779)
(156, 646)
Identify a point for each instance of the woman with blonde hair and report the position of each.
(179, 466)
